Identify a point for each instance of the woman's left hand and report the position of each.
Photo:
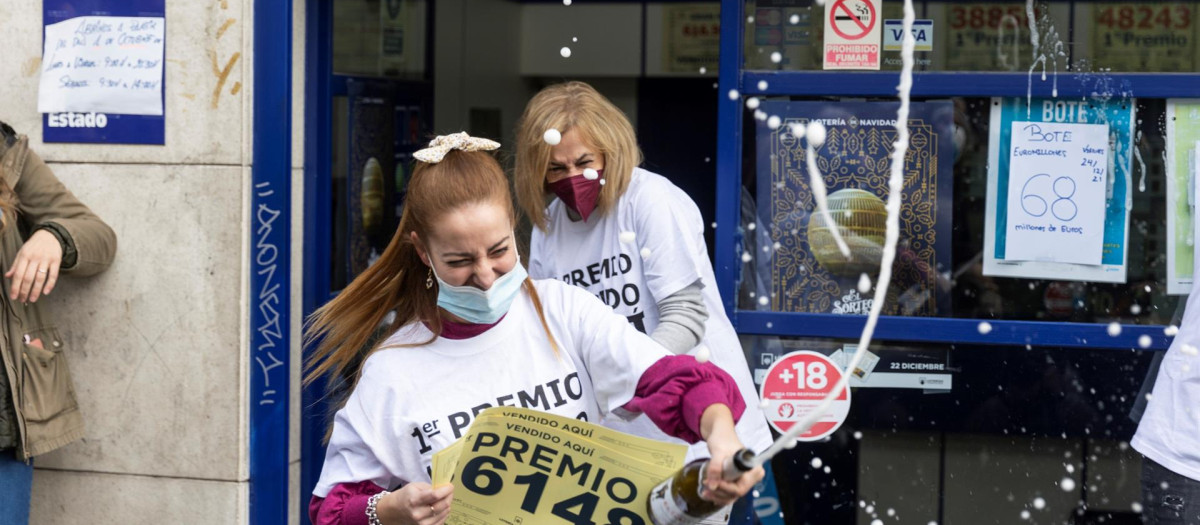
(35, 270)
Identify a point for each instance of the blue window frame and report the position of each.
(732, 76)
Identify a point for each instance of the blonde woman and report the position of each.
(624, 234)
(473, 331)
(44, 230)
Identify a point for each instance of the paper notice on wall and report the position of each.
(1058, 176)
(103, 64)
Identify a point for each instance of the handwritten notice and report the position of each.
(1058, 175)
(103, 64)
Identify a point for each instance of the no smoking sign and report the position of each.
(794, 386)
(852, 34)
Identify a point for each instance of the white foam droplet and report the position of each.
(645, 253)
(932, 523)
(552, 137)
(891, 512)
(746, 257)
(601, 182)
(870, 510)
(1135, 309)
(827, 469)
(1024, 514)
(1070, 469)
(816, 133)
(1147, 288)
(1039, 503)
(565, 52)
(985, 327)
(566, 2)
(1145, 341)
(864, 284)
(574, 39)
(797, 130)
(703, 70)
(1114, 329)
(857, 435)
(816, 463)
(733, 94)
(773, 122)
(591, 174)
(1187, 349)
(1067, 484)
(752, 102)
(795, 19)
(1170, 331)
(762, 85)
(877, 522)
(703, 354)
(776, 57)
(1136, 507)
(751, 226)
(770, 324)
(763, 300)
(628, 237)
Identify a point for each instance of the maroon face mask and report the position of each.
(579, 193)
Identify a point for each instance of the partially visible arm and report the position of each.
(45, 200)
(677, 392)
(346, 504)
(681, 318)
(717, 427)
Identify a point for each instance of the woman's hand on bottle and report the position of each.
(416, 504)
(721, 491)
(717, 426)
(34, 271)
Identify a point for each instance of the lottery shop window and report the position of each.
(955, 433)
(1072, 37)
(952, 259)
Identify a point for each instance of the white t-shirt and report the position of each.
(413, 401)
(1169, 432)
(665, 221)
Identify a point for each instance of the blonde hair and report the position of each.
(346, 325)
(601, 125)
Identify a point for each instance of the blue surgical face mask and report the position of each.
(482, 306)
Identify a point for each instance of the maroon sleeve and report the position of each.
(675, 391)
(346, 504)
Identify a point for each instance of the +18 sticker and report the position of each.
(795, 385)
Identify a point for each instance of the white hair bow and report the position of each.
(439, 147)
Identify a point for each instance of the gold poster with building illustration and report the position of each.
(799, 265)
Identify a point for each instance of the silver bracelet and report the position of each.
(372, 502)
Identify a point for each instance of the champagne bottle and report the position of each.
(677, 500)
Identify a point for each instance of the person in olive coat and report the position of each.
(44, 231)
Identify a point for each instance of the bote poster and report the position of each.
(1115, 168)
(802, 270)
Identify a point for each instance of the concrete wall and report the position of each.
(158, 345)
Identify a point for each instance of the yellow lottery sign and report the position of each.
(523, 466)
